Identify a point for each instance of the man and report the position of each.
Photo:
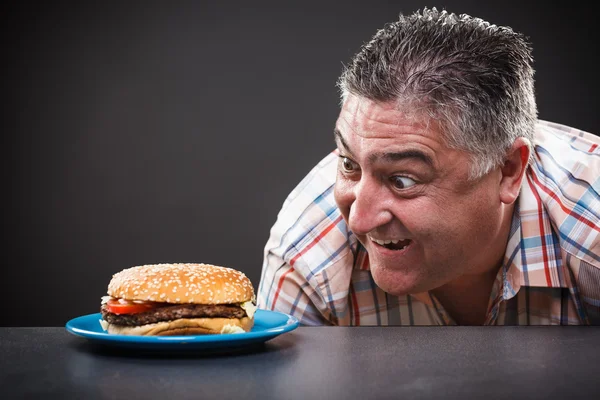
(446, 201)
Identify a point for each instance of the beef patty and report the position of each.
(171, 312)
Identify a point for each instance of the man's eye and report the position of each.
(348, 165)
(402, 182)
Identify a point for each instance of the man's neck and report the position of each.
(467, 298)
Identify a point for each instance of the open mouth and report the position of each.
(391, 244)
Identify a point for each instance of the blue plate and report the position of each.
(267, 325)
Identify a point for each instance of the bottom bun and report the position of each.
(185, 326)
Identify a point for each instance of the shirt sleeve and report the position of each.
(282, 288)
(307, 244)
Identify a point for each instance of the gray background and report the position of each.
(146, 132)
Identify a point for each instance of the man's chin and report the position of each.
(397, 282)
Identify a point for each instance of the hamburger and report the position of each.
(178, 299)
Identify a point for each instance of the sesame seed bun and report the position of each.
(179, 299)
(182, 284)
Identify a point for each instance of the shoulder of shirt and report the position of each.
(567, 152)
(569, 156)
(310, 232)
(577, 140)
(314, 186)
(566, 165)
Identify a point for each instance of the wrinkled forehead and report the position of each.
(366, 117)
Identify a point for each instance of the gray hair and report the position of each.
(475, 79)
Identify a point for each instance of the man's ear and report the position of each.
(513, 170)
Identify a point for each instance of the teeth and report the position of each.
(386, 241)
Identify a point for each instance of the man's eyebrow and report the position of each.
(387, 157)
(401, 155)
(340, 138)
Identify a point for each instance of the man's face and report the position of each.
(398, 181)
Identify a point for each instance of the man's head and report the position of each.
(474, 78)
(434, 135)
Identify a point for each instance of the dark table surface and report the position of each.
(314, 363)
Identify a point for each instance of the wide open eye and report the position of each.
(402, 182)
(348, 165)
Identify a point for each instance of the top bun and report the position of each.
(182, 284)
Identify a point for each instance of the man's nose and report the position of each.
(370, 208)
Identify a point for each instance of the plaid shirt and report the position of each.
(315, 269)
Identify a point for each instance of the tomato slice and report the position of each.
(118, 307)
